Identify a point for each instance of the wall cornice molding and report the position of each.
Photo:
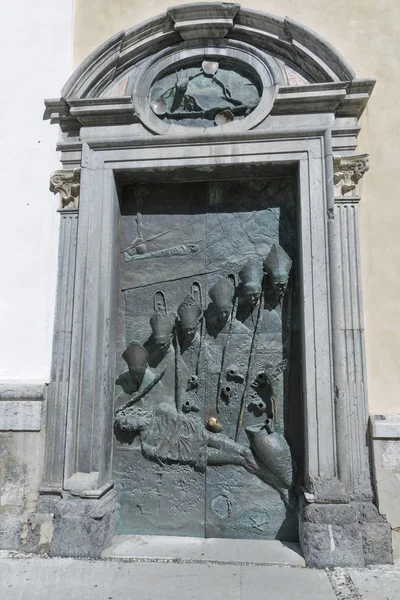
(281, 37)
(336, 98)
(204, 19)
(329, 86)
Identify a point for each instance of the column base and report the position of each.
(344, 535)
(83, 527)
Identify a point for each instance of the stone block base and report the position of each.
(376, 534)
(83, 527)
(344, 535)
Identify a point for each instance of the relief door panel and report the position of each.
(206, 326)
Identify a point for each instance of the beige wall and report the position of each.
(366, 33)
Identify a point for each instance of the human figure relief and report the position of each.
(189, 332)
(164, 410)
(251, 276)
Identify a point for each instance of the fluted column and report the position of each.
(67, 184)
(348, 330)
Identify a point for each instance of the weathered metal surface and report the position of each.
(207, 410)
(205, 94)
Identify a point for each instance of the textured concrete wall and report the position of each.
(386, 460)
(35, 42)
(366, 33)
(21, 462)
(21, 459)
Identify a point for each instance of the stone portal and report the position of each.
(240, 316)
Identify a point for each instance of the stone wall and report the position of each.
(38, 36)
(36, 43)
(21, 459)
(386, 453)
(366, 34)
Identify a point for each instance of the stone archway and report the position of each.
(305, 121)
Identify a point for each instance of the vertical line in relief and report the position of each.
(351, 364)
(345, 316)
(331, 539)
(362, 410)
(356, 398)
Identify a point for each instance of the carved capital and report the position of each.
(348, 170)
(67, 184)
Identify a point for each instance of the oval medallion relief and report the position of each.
(205, 89)
(204, 95)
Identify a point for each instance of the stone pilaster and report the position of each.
(66, 183)
(79, 436)
(348, 331)
(349, 532)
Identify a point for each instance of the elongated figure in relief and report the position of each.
(251, 275)
(162, 325)
(138, 381)
(190, 340)
(136, 357)
(219, 312)
(278, 265)
(180, 250)
(189, 313)
(171, 436)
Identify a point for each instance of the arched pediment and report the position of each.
(100, 90)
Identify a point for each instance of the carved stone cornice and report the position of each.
(203, 20)
(348, 170)
(67, 184)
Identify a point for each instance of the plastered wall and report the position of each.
(35, 44)
(366, 33)
(52, 36)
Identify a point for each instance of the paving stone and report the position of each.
(62, 578)
(377, 584)
(200, 549)
(283, 583)
(112, 580)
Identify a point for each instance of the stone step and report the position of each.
(209, 550)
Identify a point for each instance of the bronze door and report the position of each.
(208, 394)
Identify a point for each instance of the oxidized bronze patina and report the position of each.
(204, 411)
(206, 94)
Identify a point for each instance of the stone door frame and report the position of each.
(86, 461)
(88, 457)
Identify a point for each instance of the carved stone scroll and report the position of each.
(67, 184)
(348, 170)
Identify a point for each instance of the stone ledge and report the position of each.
(22, 390)
(21, 405)
(208, 550)
(20, 415)
(385, 426)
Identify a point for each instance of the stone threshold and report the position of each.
(153, 548)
